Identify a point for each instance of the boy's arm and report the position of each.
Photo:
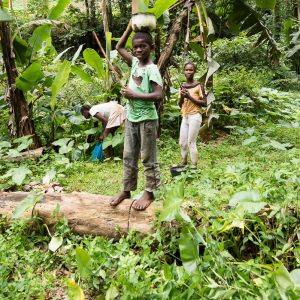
(121, 45)
(155, 96)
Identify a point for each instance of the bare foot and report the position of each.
(145, 200)
(119, 198)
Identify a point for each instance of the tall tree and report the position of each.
(21, 121)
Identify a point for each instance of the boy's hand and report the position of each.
(128, 93)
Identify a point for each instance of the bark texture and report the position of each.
(22, 123)
(171, 42)
(86, 213)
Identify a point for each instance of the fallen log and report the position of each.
(86, 213)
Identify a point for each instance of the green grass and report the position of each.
(235, 263)
(224, 168)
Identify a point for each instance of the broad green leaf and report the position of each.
(40, 36)
(283, 280)
(58, 9)
(295, 275)
(253, 207)
(17, 174)
(80, 73)
(267, 4)
(107, 141)
(74, 291)
(25, 144)
(211, 29)
(93, 59)
(76, 119)
(108, 37)
(27, 203)
(293, 50)
(117, 140)
(84, 146)
(249, 141)
(61, 142)
(60, 79)
(55, 243)
(244, 18)
(167, 272)
(22, 139)
(66, 148)
(91, 131)
(161, 6)
(21, 50)
(77, 54)
(83, 262)
(244, 196)
(213, 67)
(189, 250)
(142, 6)
(279, 146)
(5, 144)
(57, 58)
(112, 293)
(5, 16)
(49, 176)
(172, 203)
(250, 130)
(30, 77)
(248, 200)
(13, 153)
(198, 49)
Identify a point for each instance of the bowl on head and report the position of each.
(143, 22)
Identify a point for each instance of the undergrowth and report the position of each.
(238, 254)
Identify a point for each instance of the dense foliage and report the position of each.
(228, 230)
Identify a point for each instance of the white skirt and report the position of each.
(117, 116)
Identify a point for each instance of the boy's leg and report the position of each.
(132, 146)
(148, 131)
(194, 127)
(183, 140)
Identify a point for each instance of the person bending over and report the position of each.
(110, 114)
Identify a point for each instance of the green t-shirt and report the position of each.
(140, 110)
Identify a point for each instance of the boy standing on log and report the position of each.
(144, 88)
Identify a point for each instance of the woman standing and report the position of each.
(191, 100)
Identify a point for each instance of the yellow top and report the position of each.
(190, 108)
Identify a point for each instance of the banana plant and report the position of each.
(28, 58)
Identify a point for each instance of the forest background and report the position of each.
(237, 216)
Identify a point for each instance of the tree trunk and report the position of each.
(171, 42)
(23, 125)
(109, 13)
(93, 13)
(86, 213)
(298, 13)
(104, 17)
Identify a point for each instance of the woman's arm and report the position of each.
(200, 102)
(155, 96)
(121, 45)
(181, 100)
